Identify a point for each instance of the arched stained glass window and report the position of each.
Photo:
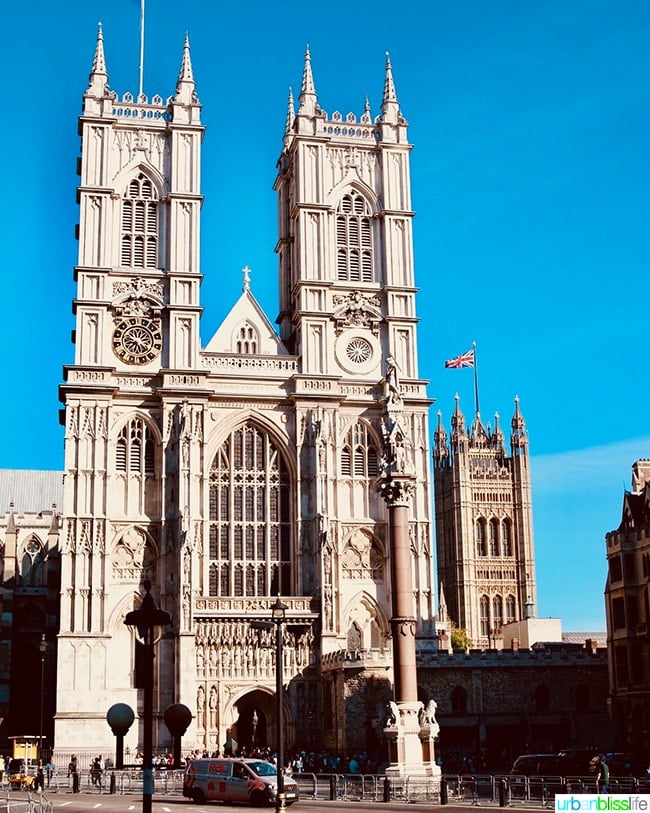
(250, 516)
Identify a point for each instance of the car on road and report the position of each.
(235, 780)
(538, 765)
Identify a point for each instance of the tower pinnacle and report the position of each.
(389, 102)
(308, 98)
(185, 87)
(98, 79)
(291, 113)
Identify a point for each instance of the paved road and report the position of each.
(66, 802)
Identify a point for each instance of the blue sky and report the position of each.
(530, 181)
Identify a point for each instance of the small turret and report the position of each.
(291, 117)
(440, 448)
(98, 79)
(392, 123)
(308, 99)
(498, 438)
(519, 438)
(458, 431)
(185, 104)
(480, 437)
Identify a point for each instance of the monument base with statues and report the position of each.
(411, 730)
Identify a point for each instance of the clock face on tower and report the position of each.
(137, 339)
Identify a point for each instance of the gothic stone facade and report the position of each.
(244, 469)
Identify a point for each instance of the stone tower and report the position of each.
(234, 472)
(484, 529)
(136, 338)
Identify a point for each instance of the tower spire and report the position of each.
(440, 449)
(185, 86)
(98, 79)
(291, 113)
(308, 98)
(389, 102)
(518, 438)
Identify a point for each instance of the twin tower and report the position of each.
(233, 471)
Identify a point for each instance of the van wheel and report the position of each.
(198, 796)
(258, 798)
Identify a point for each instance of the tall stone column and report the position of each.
(408, 731)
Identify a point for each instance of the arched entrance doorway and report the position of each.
(254, 728)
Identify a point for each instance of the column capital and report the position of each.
(397, 491)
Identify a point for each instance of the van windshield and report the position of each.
(262, 768)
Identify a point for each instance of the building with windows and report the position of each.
(233, 472)
(627, 605)
(30, 523)
(484, 526)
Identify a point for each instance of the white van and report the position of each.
(235, 780)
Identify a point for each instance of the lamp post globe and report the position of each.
(177, 718)
(120, 717)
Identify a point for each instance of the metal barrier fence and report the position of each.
(128, 781)
(26, 802)
(481, 790)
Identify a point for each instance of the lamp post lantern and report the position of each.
(42, 647)
(145, 620)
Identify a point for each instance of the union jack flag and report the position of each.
(464, 360)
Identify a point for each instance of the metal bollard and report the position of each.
(332, 787)
(112, 783)
(386, 789)
(502, 793)
(444, 797)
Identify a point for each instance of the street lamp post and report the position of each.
(278, 614)
(278, 617)
(145, 620)
(42, 646)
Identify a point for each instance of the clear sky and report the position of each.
(530, 180)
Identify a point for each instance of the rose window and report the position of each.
(358, 351)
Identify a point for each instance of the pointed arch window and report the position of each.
(135, 449)
(481, 545)
(510, 609)
(140, 216)
(506, 537)
(484, 608)
(32, 570)
(497, 612)
(250, 522)
(493, 536)
(354, 245)
(359, 456)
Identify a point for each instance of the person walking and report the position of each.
(73, 771)
(602, 775)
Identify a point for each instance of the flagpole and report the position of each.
(476, 404)
(141, 48)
